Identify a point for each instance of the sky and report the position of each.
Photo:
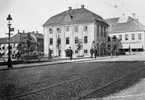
(30, 15)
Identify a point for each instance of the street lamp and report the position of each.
(9, 18)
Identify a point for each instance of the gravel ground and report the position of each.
(94, 74)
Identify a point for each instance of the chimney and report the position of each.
(69, 8)
(23, 31)
(37, 32)
(133, 14)
(18, 31)
(82, 6)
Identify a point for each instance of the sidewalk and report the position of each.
(61, 61)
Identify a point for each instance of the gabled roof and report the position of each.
(131, 25)
(3, 40)
(74, 16)
(38, 35)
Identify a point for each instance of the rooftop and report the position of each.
(74, 16)
(125, 24)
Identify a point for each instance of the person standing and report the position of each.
(91, 52)
(95, 52)
(70, 53)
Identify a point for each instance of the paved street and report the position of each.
(79, 75)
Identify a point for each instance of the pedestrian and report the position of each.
(70, 53)
(91, 52)
(95, 52)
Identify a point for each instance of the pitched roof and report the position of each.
(74, 16)
(38, 35)
(130, 25)
(3, 40)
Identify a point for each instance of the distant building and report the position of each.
(21, 38)
(129, 31)
(72, 25)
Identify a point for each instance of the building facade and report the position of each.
(21, 39)
(129, 31)
(69, 27)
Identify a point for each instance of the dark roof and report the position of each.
(3, 40)
(38, 35)
(131, 25)
(20, 37)
(74, 16)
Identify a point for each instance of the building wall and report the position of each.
(91, 34)
(71, 34)
(134, 44)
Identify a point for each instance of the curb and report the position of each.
(54, 63)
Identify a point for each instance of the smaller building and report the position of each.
(19, 42)
(129, 31)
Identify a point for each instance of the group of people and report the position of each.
(93, 51)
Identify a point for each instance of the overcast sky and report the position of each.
(30, 15)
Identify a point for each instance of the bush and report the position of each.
(35, 55)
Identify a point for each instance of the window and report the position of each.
(109, 39)
(67, 28)
(120, 37)
(101, 31)
(133, 36)
(67, 40)
(85, 28)
(85, 39)
(59, 40)
(51, 41)
(59, 30)
(85, 51)
(76, 51)
(50, 31)
(139, 36)
(97, 30)
(126, 36)
(76, 29)
(76, 40)
(104, 32)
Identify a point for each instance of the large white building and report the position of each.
(129, 31)
(71, 25)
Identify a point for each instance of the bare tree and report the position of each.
(79, 45)
(58, 44)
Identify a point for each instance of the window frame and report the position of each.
(120, 37)
(67, 40)
(139, 36)
(85, 40)
(86, 51)
(76, 40)
(132, 36)
(85, 28)
(76, 51)
(51, 42)
(50, 30)
(126, 37)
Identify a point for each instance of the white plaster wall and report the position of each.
(135, 42)
(71, 34)
(45, 31)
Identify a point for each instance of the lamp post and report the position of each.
(9, 18)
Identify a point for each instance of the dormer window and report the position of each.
(50, 31)
(59, 30)
(85, 28)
